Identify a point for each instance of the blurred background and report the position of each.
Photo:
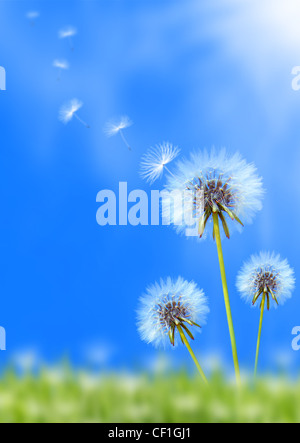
(196, 74)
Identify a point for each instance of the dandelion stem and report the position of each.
(185, 341)
(124, 140)
(226, 298)
(71, 44)
(81, 121)
(171, 173)
(262, 308)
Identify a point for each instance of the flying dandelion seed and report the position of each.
(69, 110)
(112, 128)
(32, 16)
(268, 278)
(68, 33)
(61, 65)
(155, 160)
(167, 311)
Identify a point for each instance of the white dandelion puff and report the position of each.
(112, 128)
(155, 160)
(168, 304)
(68, 33)
(168, 309)
(231, 188)
(266, 273)
(60, 65)
(269, 279)
(32, 16)
(69, 110)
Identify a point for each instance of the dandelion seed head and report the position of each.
(32, 15)
(112, 127)
(230, 186)
(67, 32)
(266, 271)
(62, 64)
(68, 110)
(155, 159)
(164, 304)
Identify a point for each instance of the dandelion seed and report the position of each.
(69, 110)
(32, 15)
(168, 310)
(68, 33)
(112, 128)
(269, 279)
(155, 160)
(60, 64)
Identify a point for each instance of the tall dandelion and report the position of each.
(60, 65)
(32, 16)
(112, 128)
(68, 33)
(156, 160)
(167, 312)
(69, 110)
(265, 280)
(232, 191)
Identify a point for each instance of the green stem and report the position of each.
(185, 341)
(259, 331)
(226, 298)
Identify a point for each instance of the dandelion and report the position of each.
(32, 15)
(69, 110)
(168, 309)
(112, 128)
(68, 33)
(268, 278)
(60, 64)
(232, 191)
(155, 160)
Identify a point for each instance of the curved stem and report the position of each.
(226, 298)
(59, 75)
(81, 121)
(171, 173)
(185, 341)
(71, 43)
(124, 140)
(262, 308)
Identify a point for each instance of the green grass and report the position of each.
(66, 396)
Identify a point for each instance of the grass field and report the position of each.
(61, 395)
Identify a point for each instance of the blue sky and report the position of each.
(196, 74)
